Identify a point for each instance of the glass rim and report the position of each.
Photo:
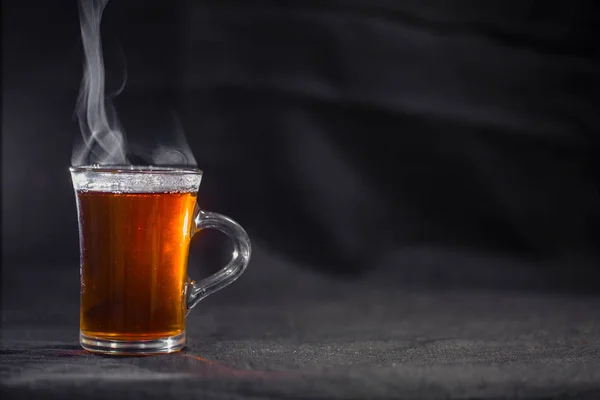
(136, 169)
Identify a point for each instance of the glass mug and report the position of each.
(135, 226)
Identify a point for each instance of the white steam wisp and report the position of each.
(104, 141)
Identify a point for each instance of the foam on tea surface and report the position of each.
(130, 179)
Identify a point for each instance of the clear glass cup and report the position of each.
(135, 226)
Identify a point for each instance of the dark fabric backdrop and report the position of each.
(405, 140)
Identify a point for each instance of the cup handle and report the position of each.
(240, 256)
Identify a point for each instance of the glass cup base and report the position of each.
(165, 345)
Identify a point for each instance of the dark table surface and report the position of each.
(282, 332)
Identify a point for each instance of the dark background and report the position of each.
(423, 142)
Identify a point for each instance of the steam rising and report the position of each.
(104, 140)
(179, 153)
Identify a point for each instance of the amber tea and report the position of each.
(134, 250)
